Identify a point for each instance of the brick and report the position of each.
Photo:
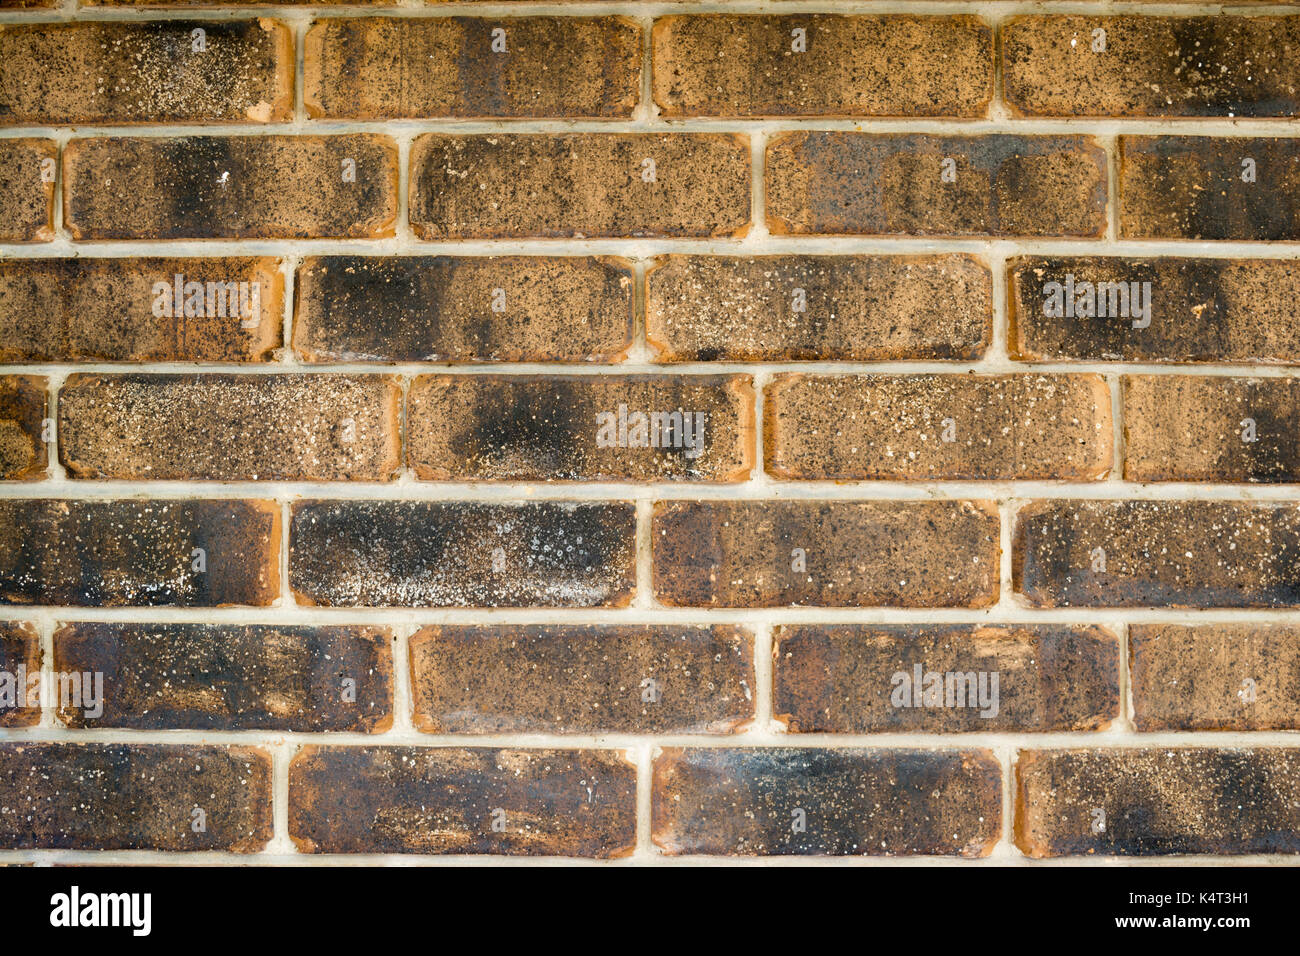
(1158, 801)
(463, 309)
(1151, 66)
(23, 452)
(232, 677)
(849, 66)
(1241, 311)
(575, 803)
(860, 679)
(387, 68)
(230, 187)
(851, 308)
(63, 74)
(134, 797)
(1157, 554)
(1191, 187)
(53, 310)
(825, 553)
(580, 185)
(1215, 676)
(937, 427)
(850, 802)
(632, 679)
(571, 428)
(826, 183)
(460, 554)
(27, 172)
(139, 553)
(19, 5)
(20, 660)
(1210, 428)
(180, 427)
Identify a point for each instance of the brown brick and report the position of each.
(1151, 66)
(227, 427)
(463, 309)
(134, 797)
(27, 171)
(1158, 554)
(460, 554)
(868, 184)
(1244, 311)
(860, 679)
(937, 427)
(20, 660)
(263, 3)
(856, 802)
(582, 679)
(577, 803)
(825, 553)
(140, 553)
(19, 5)
(230, 187)
(850, 66)
(388, 68)
(63, 74)
(23, 452)
(1210, 428)
(1215, 676)
(851, 308)
(583, 185)
(1191, 187)
(571, 428)
(1157, 801)
(54, 310)
(232, 677)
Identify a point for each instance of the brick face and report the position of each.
(20, 654)
(23, 450)
(27, 171)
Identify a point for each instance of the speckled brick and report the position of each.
(134, 797)
(1233, 311)
(1196, 187)
(161, 71)
(1181, 554)
(791, 308)
(1210, 428)
(581, 428)
(567, 679)
(231, 187)
(822, 65)
(53, 310)
(1215, 676)
(860, 679)
(28, 168)
(574, 803)
(580, 185)
(849, 183)
(1159, 801)
(825, 553)
(937, 427)
(826, 802)
(232, 677)
(463, 309)
(1151, 66)
(20, 661)
(461, 554)
(226, 427)
(538, 67)
(139, 553)
(23, 451)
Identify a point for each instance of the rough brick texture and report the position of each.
(28, 169)
(23, 450)
(20, 660)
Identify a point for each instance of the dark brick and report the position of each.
(27, 171)
(23, 451)
(20, 661)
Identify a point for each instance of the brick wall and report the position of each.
(341, 350)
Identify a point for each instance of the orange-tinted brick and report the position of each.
(20, 662)
(28, 168)
(23, 450)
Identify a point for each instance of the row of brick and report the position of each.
(672, 185)
(802, 65)
(743, 802)
(649, 428)
(746, 554)
(656, 679)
